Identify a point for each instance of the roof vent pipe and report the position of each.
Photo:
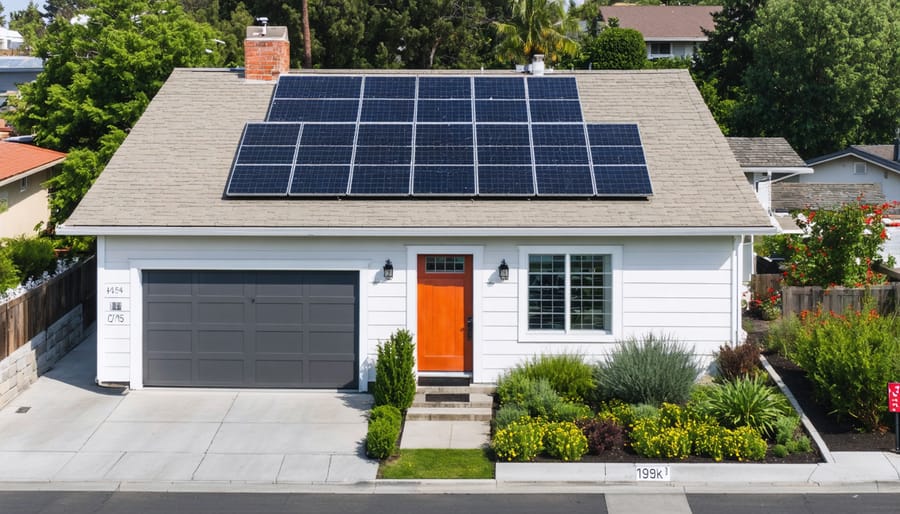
(537, 64)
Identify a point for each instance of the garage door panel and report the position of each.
(251, 328)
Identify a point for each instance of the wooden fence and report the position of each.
(761, 284)
(22, 318)
(796, 299)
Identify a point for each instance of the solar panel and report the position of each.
(327, 134)
(505, 180)
(383, 155)
(384, 135)
(380, 180)
(314, 110)
(500, 110)
(444, 135)
(552, 88)
(548, 111)
(622, 181)
(564, 180)
(445, 155)
(266, 155)
(258, 180)
(445, 87)
(387, 110)
(617, 155)
(444, 111)
(320, 180)
(558, 134)
(318, 87)
(504, 155)
(560, 155)
(502, 135)
(614, 135)
(390, 87)
(324, 155)
(447, 180)
(271, 134)
(499, 88)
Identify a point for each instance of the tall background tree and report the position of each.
(616, 49)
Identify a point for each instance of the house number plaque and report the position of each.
(116, 303)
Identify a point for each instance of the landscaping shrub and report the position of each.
(395, 382)
(9, 274)
(508, 414)
(780, 451)
(513, 386)
(650, 438)
(745, 443)
(653, 370)
(568, 373)
(565, 411)
(746, 401)
(536, 396)
(709, 440)
(618, 412)
(789, 435)
(519, 441)
(849, 358)
(782, 334)
(387, 411)
(738, 362)
(32, 256)
(541, 400)
(602, 435)
(381, 440)
(565, 441)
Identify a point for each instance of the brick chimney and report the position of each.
(266, 53)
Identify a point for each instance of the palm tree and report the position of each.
(307, 44)
(537, 27)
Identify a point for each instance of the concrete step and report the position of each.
(448, 414)
(472, 389)
(475, 400)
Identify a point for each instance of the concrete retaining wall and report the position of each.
(25, 365)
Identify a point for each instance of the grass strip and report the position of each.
(444, 463)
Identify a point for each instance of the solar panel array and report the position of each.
(457, 136)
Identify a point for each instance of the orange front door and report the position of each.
(445, 312)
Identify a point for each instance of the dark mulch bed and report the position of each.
(839, 435)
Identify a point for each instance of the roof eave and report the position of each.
(796, 170)
(161, 231)
(30, 172)
(855, 152)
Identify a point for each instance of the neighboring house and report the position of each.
(16, 69)
(10, 39)
(492, 241)
(23, 196)
(860, 164)
(669, 31)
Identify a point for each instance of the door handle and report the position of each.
(469, 327)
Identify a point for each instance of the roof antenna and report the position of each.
(265, 21)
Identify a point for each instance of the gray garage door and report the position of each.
(251, 328)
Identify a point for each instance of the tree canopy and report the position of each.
(536, 27)
(616, 49)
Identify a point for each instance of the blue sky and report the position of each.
(15, 5)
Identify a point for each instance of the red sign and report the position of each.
(894, 396)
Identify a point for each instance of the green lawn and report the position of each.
(438, 464)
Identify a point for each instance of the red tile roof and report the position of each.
(663, 22)
(19, 159)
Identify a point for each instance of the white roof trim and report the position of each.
(32, 171)
(849, 154)
(675, 39)
(788, 169)
(410, 231)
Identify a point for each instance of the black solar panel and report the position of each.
(318, 87)
(564, 180)
(504, 155)
(560, 155)
(380, 180)
(445, 87)
(444, 135)
(266, 155)
(324, 155)
(314, 110)
(500, 111)
(502, 135)
(390, 87)
(320, 180)
(444, 111)
(444, 180)
(271, 134)
(550, 111)
(558, 134)
(499, 88)
(327, 134)
(622, 181)
(259, 180)
(383, 155)
(505, 180)
(552, 88)
(387, 110)
(384, 135)
(445, 155)
(617, 155)
(614, 135)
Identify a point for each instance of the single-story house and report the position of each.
(269, 228)
(668, 30)
(24, 169)
(17, 69)
(860, 164)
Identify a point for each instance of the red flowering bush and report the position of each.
(837, 247)
(769, 306)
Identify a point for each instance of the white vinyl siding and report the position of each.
(844, 171)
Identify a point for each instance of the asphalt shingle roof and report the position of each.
(663, 22)
(172, 169)
(765, 152)
(790, 196)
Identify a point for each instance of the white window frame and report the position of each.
(571, 336)
(651, 54)
(23, 185)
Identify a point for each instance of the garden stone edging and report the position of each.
(823, 449)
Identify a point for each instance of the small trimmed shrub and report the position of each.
(390, 412)
(508, 414)
(789, 435)
(709, 440)
(565, 411)
(32, 256)
(738, 362)
(568, 373)
(780, 451)
(618, 412)
(565, 441)
(520, 441)
(746, 402)
(801, 444)
(653, 370)
(395, 382)
(602, 435)
(746, 444)
(513, 387)
(650, 438)
(381, 440)
(536, 396)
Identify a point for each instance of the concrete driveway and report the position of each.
(74, 431)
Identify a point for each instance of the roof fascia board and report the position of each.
(675, 39)
(866, 156)
(779, 169)
(30, 172)
(414, 231)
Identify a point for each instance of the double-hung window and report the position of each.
(570, 293)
